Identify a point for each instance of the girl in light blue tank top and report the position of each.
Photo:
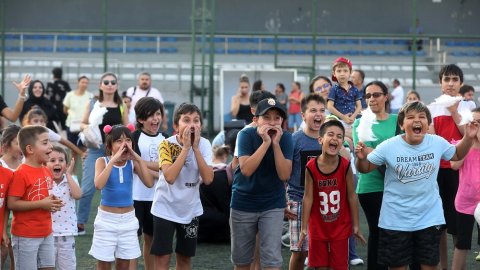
(115, 235)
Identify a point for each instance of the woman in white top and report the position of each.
(74, 106)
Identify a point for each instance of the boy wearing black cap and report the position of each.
(258, 193)
(344, 99)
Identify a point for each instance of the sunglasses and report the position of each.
(375, 95)
(324, 86)
(112, 82)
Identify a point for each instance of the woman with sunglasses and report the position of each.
(117, 114)
(370, 185)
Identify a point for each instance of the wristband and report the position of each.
(22, 97)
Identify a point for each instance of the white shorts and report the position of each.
(115, 236)
(65, 258)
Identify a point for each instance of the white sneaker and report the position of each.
(286, 240)
(356, 261)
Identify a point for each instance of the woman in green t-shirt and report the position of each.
(370, 185)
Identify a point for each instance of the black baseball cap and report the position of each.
(270, 103)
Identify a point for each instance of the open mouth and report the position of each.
(332, 146)
(417, 129)
(57, 170)
(317, 122)
(272, 132)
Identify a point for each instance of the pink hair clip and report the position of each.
(131, 127)
(107, 129)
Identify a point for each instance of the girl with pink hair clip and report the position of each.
(115, 234)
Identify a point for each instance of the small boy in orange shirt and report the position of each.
(30, 200)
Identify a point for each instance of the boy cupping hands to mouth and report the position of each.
(270, 115)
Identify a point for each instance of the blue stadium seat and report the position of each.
(72, 49)
(115, 49)
(168, 39)
(268, 40)
(37, 49)
(169, 50)
(38, 37)
(302, 40)
(12, 36)
(141, 50)
(12, 48)
(141, 38)
(285, 51)
(267, 51)
(400, 42)
(72, 37)
(302, 52)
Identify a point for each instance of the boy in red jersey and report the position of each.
(30, 200)
(329, 185)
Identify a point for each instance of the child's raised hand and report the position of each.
(275, 134)
(131, 153)
(361, 150)
(471, 129)
(71, 166)
(197, 136)
(454, 107)
(263, 133)
(119, 153)
(188, 137)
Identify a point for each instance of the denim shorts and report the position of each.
(33, 253)
(244, 228)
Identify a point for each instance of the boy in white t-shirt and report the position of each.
(186, 161)
(64, 222)
(146, 139)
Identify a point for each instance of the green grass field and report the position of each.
(217, 256)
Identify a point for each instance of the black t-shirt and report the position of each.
(112, 117)
(56, 92)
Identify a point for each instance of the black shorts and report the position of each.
(447, 180)
(144, 216)
(186, 236)
(464, 236)
(398, 248)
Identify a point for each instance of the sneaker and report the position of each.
(81, 231)
(356, 261)
(478, 257)
(286, 239)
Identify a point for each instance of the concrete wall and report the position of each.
(334, 16)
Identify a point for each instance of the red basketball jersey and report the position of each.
(330, 215)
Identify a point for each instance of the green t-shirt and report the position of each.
(385, 129)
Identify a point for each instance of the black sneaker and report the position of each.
(81, 231)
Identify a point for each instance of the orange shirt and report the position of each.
(31, 184)
(6, 176)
